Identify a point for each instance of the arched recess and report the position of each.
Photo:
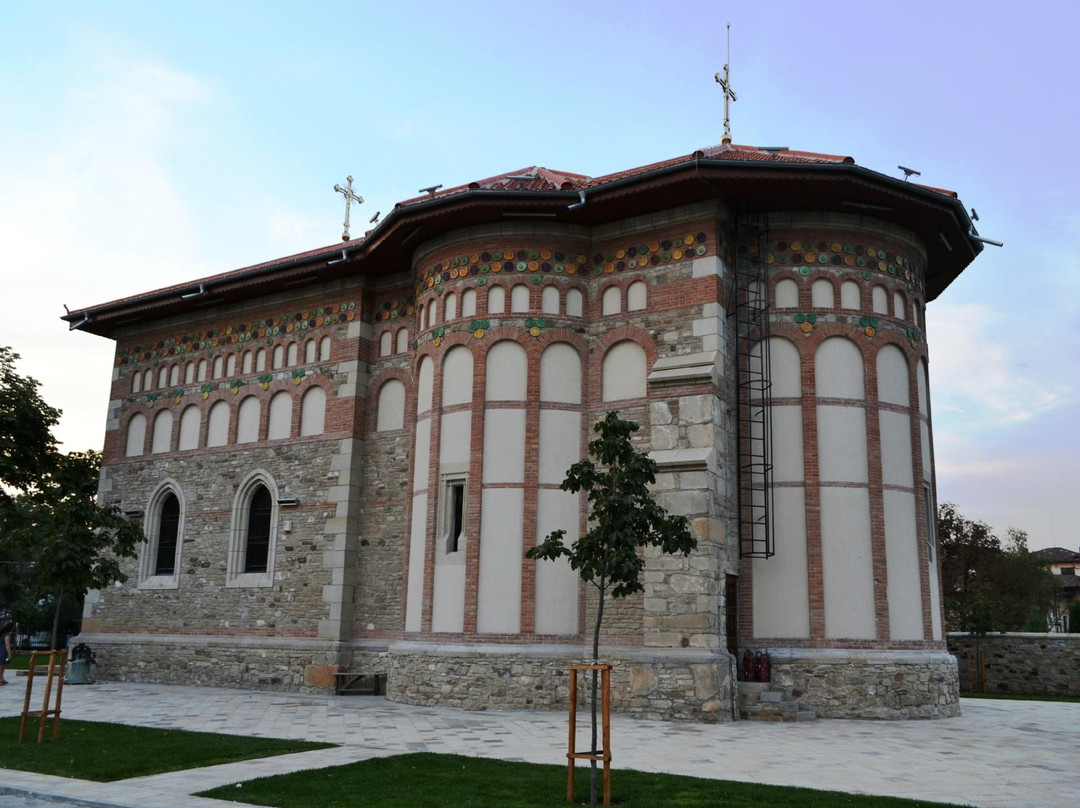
(611, 300)
(636, 296)
(280, 420)
(136, 382)
(189, 373)
(624, 371)
(556, 584)
(386, 342)
(822, 294)
(217, 427)
(190, 421)
(519, 299)
(260, 360)
(253, 541)
(136, 435)
(575, 303)
(496, 302)
(159, 557)
(425, 381)
(549, 299)
(450, 307)
(850, 295)
(293, 354)
(879, 300)
(230, 365)
(403, 340)
(324, 349)
(468, 303)
(313, 411)
(390, 415)
(161, 440)
(247, 420)
(249, 362)
(787, 294)
(899, 306)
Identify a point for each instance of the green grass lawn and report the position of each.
(435, 781)
(89, 750)
(21, 662)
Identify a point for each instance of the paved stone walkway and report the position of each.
(998, 753)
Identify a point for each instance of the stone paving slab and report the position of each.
(997, 754)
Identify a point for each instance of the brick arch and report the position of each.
(600, 349)
(375, 388)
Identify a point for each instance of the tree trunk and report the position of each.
(56, 617)
(596, 661)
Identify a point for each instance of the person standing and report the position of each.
(6, 632)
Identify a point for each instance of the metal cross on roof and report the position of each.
(350, 197)
(729, 94)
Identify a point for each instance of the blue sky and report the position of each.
(143, 144)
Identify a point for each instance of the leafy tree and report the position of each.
(73, 543)
(1074, 617)
(623, 517)
(26, 422)
(988, 585)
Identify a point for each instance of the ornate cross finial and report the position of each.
(729, 94)
(350, 197)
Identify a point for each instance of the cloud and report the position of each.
(982, 375)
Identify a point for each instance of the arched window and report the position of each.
(254, 532)
(292, 354)
(612, 300)
(230, 365)
(136, 435)
(496, 300)
(260, 360)
(310, 349)
(280, 425)
(850, 296)
(189, 373)
(202, 370)
(403, 340)
(433, 313)
(519, 299)
(219, 367)
(136, 382)
(257, 550)
(313, 412)
(249, 362)
(636, 295)
(386, 342)
(163, 377)
(159, 563)
(423, 317)
(450, 307)
(549, 299)
(162, 438)
(574, 302)
(279, 357)
(391, 412)
(787, 294)
(324, 349)
(174, 375)
(899, 307)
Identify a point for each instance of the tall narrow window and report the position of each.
(168, 528)
(258, 531)
(454, 514)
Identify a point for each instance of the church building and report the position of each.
(340, 457)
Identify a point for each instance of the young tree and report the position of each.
(73, 543)
(623, 517)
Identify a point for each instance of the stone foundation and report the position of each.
(870, 684)
(667, 685)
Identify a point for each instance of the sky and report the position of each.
(144, 144)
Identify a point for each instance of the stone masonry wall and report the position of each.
(875, 685)
(1039, 664)
(667, 685)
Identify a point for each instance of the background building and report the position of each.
(342, 456)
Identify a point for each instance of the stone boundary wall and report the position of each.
(872, 684)
(277, 664)
(667, 686)
(1036, 664)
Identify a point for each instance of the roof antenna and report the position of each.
(729, 94)
(909, 172)
(431, 189)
